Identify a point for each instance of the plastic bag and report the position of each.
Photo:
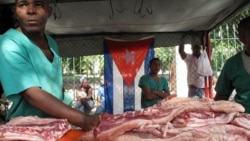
(204, 66)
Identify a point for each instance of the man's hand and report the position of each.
(90, 122)
(171, 96)
(161, 94)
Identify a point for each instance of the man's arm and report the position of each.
(90, 93)
(182, 53)
(162, 94)
(54, 107)
(98, 99)
(78, 97)
(150, 95)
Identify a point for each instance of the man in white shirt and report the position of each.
(195, 81)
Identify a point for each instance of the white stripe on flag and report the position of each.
(117, 91)
(140, 72)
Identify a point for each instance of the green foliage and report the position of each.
(85, 65)
(165, 54)
(224, 40)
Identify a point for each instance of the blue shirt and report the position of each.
(101, 93)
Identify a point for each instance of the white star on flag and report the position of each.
(129, 57)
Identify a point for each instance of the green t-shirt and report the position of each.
(148, 81)
(234, 76)
(23, 65)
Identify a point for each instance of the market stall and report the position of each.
(166, 19)
(176, 119)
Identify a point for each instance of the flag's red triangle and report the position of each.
(128, 56)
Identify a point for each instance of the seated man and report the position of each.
(84, 93)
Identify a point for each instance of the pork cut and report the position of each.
(32, 128)
(220, 132)
(166, 119)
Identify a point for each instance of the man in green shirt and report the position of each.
(31, 70)
(235, 74)
(154, 87)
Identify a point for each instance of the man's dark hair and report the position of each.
(154, 59)
(6, 18)
(244, 24)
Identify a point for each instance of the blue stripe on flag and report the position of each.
(149, 56)
(108, 77)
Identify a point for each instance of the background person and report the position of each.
(84, 97)
(101, 97)
(235, 74)
(31, 69)
(196, 82)
(154, 87)
(214, 81)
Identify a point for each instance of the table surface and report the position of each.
(72, 135)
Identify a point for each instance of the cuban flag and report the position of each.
(125, 62)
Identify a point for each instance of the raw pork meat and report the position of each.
(32, 128)
(172, 120)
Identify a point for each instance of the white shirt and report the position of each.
(192, 77)
(82, 93)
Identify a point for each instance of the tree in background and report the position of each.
(224, 40)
